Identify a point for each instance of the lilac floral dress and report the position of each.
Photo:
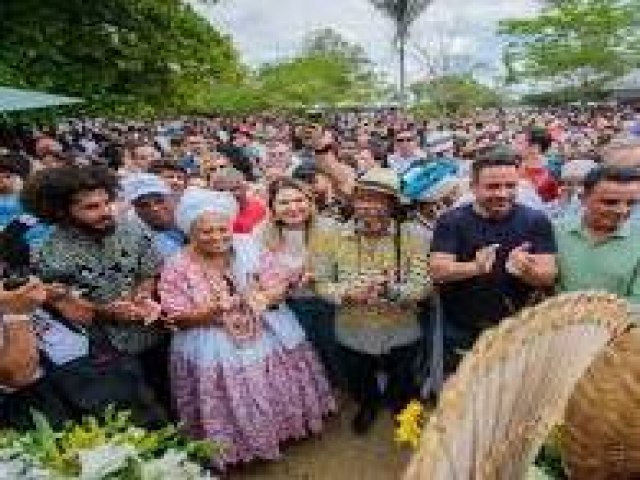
(250, 395)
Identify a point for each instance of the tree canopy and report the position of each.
(328, 70)
(155, 57)
(124, 57)
(453, 94)
(574, 43)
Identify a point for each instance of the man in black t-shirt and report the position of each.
(489, 258)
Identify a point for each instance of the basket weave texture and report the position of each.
(513, 387)
(602, 421)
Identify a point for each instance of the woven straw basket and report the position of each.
(602, 437)
(509, 391)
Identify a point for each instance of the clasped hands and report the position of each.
(519, 261)
(371, 290)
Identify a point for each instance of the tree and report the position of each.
(314, 76)
(403, 13)
(574, 43)
(314, 79)
(327, 41)
(441, 54)
(453, 94)
(124, 57)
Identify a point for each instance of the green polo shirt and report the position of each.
(611, 265)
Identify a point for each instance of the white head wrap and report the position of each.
(577, 169)
(197, 201)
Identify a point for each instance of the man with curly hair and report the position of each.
(110, 267)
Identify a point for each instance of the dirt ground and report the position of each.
(337, 454)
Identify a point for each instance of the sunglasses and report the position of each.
(404, 139)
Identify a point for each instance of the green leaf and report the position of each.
(44, 436)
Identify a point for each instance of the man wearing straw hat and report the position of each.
(376, 273)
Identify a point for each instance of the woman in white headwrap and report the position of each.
(242, 372)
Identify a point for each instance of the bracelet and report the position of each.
(14, 318)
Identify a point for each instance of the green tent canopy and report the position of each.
(12, 99)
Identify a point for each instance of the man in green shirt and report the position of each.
(601, 249)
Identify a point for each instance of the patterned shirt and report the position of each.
(104, 270)
(343, 260)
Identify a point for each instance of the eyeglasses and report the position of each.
(404, 139)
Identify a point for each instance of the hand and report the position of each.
(486, 258)
(149, 309)
(307, 277)
(272, 292)
(360, 296)
(257, 302)
(224, 302)
(57, 292)
(77, 310)
(128, 311)
(137, 306)
(24, 299)
(520, 261)
(277, 293)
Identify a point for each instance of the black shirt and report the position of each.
(462, 232)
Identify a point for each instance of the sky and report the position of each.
(268, 30)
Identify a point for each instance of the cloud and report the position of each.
(267, 30)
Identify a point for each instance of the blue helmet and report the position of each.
(425, 176)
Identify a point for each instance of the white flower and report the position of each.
(23, 468)
(172, 465)
(97, 463)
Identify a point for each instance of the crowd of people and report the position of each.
(243, 276)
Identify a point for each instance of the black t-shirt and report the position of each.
(462, 232)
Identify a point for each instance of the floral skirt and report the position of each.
(251, 404)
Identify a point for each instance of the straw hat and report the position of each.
(382, 180)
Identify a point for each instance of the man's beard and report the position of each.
(91, 230)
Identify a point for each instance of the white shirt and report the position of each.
(60, 344)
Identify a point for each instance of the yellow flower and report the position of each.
(410, 422)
